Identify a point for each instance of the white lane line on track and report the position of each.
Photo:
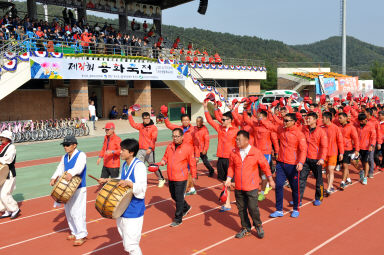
(344, 231)
(269, 220)
(64, 229)
(58, 209)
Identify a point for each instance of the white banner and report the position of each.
(65, 68)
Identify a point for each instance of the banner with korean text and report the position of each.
(66, 68)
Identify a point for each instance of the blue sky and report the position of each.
(293, 22)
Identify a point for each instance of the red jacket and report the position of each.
(111, 143)
(187, 133)
(382, 131)
(263, 136)
(178, 159)
(147, 134)
(351, 139)
(376, 124)
(317, 143)
(293, 146)
(201, 139)
(335, 140)
(367, 136)
(246, 126)
(246, 172)
(227, 138)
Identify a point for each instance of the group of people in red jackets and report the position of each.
(313, 140)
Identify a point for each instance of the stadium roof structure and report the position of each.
(164, 4)
(4, 5)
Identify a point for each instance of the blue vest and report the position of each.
(71, 163)
(137, 206)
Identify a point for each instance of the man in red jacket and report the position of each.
(380, 164)
(244, 164)
(335, 149)
(226, 142)
(367, 140)
(201, 142)
(188, 138)
(290, 161)
(110, 153)
(351, 147)
(316, 153)
(374, 122)
(147, 141)
(179, 159)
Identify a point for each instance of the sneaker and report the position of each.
(365, 181)
(224, 209)
(261, 197)
(187, 211)
(342, 186)
(370, 175)
(260, 231)
(329, 192)
(15, 214)
(286, 184)
(175, 224)
(323, 171)
(295, 214)
(276, 214)
(5, 215)
(337, 168)
(244, 232)
(267, 190)
(361, 174)
(210, 174)
(161, 183)
(291, 203)
(191, 192)
(316, 202)
(348, 182)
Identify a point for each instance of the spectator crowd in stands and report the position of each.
(94, 38)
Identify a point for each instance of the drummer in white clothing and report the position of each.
(133, 175)
(8, 206)
(74, 163)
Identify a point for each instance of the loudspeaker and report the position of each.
(203, 7)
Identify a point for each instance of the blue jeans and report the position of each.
(93, 119)
(283, 172)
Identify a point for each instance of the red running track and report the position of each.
(41, 230)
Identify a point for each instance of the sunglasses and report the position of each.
(67, 144)
(287, 121)
(224, 120)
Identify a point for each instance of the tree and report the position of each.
(378, 75)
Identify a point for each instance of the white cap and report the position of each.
(7, 134)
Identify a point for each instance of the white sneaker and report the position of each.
(5, 215)
(337, 168)
(161, 183)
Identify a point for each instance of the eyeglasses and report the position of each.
(224, 119)
(287, 121)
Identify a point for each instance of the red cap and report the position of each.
(347, 109)
(275, 103)
(109, 125)
(253, 99)
(153, 168)
(234, 101)
(223, 195)
(219, 104)
(262, 107)
(182, 110)
(211, 96)
(244, 100)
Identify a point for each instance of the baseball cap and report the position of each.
(68, 140)
(109, 125)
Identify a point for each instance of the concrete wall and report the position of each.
(33, 105)
(283, 83)
(231, 74)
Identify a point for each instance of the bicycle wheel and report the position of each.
(81, 131)
(86, 129)
(41, 135)
(27, 135)
(46, 134)
(18, 137)
(34, 135)
(77, 132)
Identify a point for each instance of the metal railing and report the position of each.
(303, 64)
(242, 62)
(195, 74)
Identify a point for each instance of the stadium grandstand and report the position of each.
(44, 61)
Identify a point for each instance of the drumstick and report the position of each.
(93, 177)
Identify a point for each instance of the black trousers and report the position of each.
(377, 154)
(177, 190)
(206, 163)
(107, 172)
(311, 165)
(247, 202)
